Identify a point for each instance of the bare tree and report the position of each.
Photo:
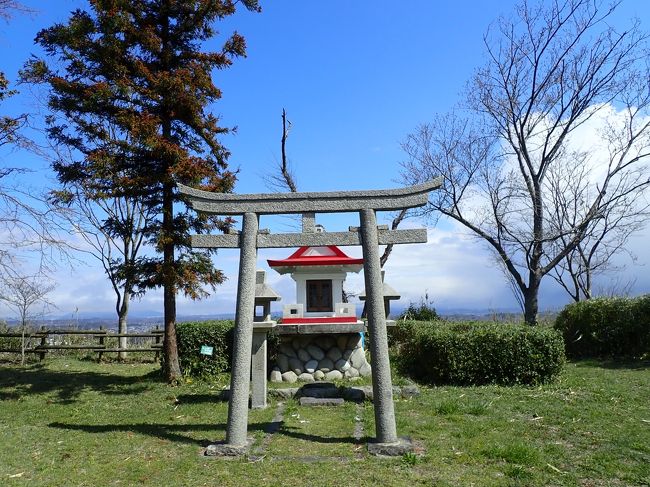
(21, 294)
(29, 227)
(114, 229)
(551, 69)
(112, 222)
(286, 177)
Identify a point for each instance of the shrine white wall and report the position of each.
(301, 279)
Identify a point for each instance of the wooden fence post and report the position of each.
(158, 336)
(102, 343)
(41, 355)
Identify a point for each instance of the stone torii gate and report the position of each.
(368, 235)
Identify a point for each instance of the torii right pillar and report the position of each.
(386, 441)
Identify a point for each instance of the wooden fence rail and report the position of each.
(100, 347)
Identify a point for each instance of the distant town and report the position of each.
(145, 323)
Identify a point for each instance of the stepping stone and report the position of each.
(321, 401)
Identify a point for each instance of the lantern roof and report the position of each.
(264, 292)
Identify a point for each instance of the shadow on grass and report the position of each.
(180, 433)
(68, 385)
(169, 432)
(221, 396)
(614, 364)
(295, 433)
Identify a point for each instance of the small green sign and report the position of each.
(206, 350)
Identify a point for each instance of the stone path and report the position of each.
(261, 451)
(258, 453)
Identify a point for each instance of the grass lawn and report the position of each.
(72, 422)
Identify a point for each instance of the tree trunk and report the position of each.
(22, 344)
(587, 286)
(171, 366)
(531, 301)
(122, 315)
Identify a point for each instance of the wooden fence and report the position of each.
(47, 341)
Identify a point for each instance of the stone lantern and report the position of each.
(389, 294)
(263, 297)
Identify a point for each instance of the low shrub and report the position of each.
(400, 333)
(192, 335)
(476, 353)
(606, 327)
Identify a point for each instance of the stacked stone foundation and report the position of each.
(310, 358)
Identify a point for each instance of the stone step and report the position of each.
(322, 401)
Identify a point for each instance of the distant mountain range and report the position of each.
(145, 320)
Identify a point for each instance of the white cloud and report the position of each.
(453, 268)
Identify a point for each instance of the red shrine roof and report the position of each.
(307, 256)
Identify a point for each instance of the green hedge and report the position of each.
(606, 327)
(192, 335)
(476, 353)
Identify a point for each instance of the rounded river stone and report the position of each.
(316, 352)
(304, 355)
(295, 365)
(334, 354)
(325, 365)
(290, 377)
(358, 358)
(287, 350)
(351, 372)
(311, 366)
(365, 370)
(283, 362)
(354, 341)
(342, 365)
(276, 375)
(326, 341)
(333, 375)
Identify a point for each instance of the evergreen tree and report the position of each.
(128, 95)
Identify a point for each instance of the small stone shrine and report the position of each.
(320, 335)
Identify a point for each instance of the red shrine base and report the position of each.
(318, 320)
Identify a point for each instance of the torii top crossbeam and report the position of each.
(314, 202)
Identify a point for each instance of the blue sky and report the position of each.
(355, 79)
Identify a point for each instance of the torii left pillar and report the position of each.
(236, 431)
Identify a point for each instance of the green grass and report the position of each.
(71, 422)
